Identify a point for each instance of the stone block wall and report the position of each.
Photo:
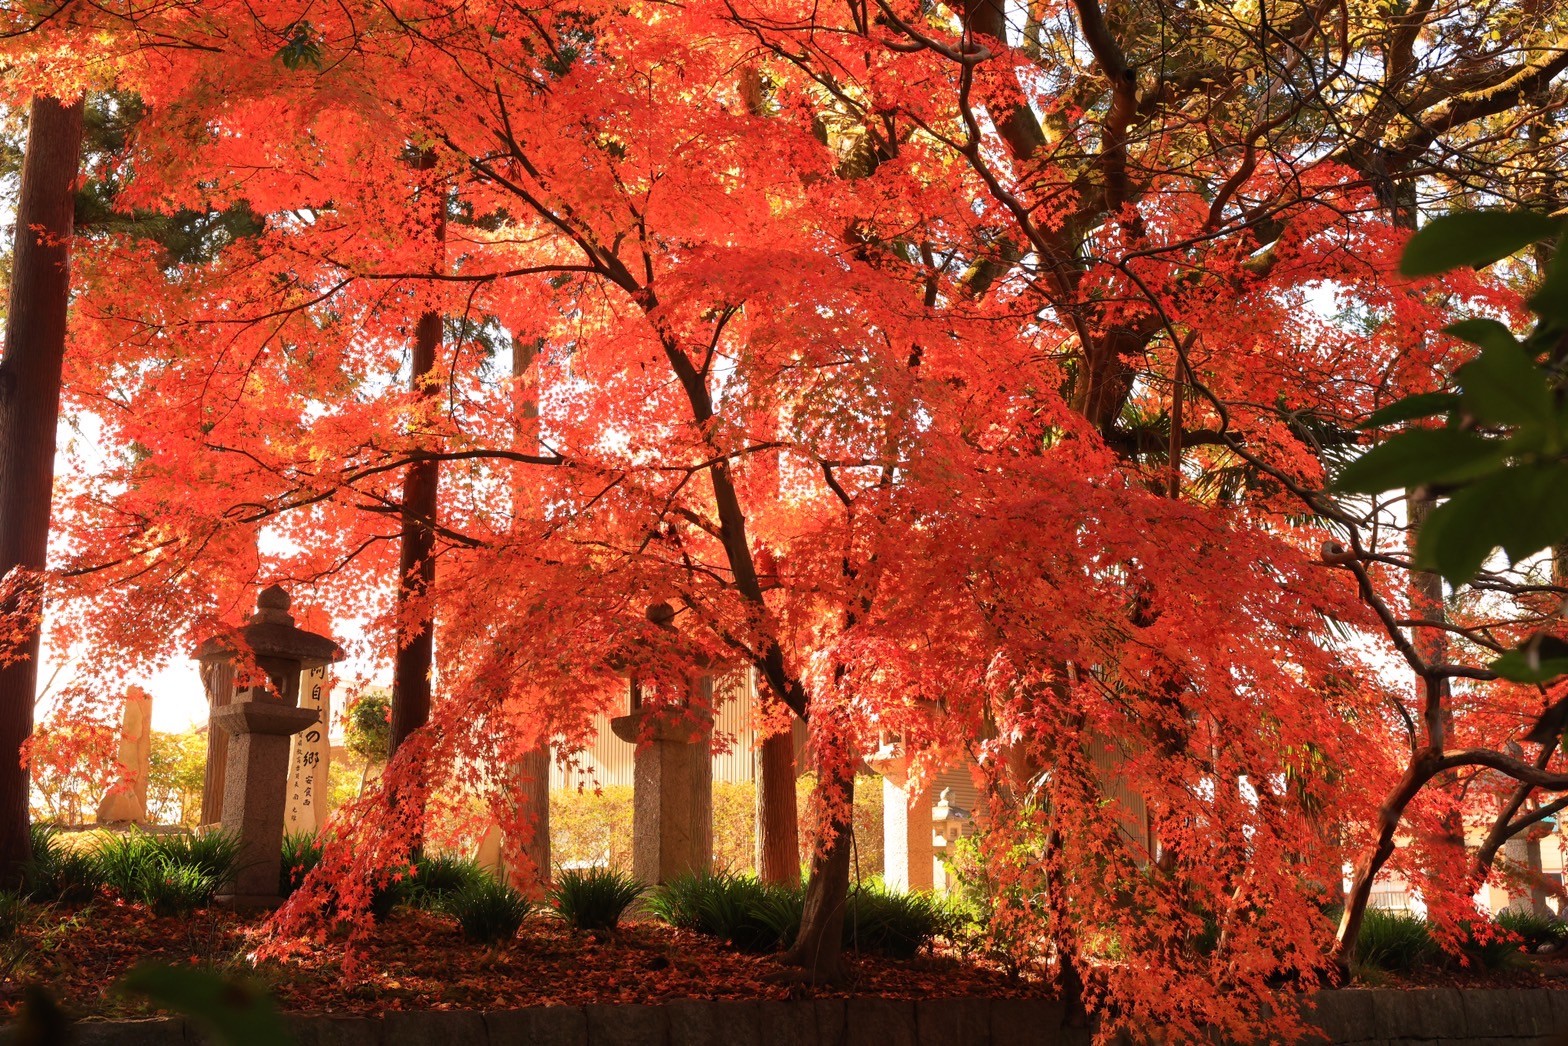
(1352, 1017)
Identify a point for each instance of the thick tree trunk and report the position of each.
(414, 662)
(778, 826)
(819, 947)
(30, 375)
(531, 777)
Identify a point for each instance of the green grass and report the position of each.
(594, 898)
(439, 876)
(14, 912)
(214, 852)
(891, 922)
(59, 872)
(488, 912)
(1535, 931)
(1395, 941)
(172, 874)
(301, 854)
(740, 910)
(176, 889)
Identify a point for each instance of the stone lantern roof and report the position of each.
(271, 632)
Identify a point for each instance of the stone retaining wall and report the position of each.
(1433, 1017)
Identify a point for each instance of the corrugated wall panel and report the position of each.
(734, 699)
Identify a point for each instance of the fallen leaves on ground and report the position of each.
(417, 960)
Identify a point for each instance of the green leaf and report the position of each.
(1504, 385)
(236, 1014)
(1462, 532)
(1545, 662)
(1421, 405)
(1550, 300)
(1483, 331)
(1538, 510)
(1474, 238)
(1420, 456)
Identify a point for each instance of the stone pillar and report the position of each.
(310, 756)
(127, 801)
(672, 786)
(259, 722)
(908, 852)
(908, 838)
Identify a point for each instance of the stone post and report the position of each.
(672, 785)
(259, 722)
(127, 801)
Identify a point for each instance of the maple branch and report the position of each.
(458, 277)
(1515, 768)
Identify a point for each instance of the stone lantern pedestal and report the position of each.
(258, 722)
(672, 789)
(255, 787)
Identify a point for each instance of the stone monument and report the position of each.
(127, 800)
(258, 721)
(310, 756)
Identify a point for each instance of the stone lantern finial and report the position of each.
(272, 606)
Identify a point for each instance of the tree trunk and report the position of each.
(415, 657)
(531, 777)
(30, 375)
(414, 661)
(819, 946)
(778, 825)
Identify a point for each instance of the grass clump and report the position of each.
(488, 912)
(175, 889)
(14, 912)
(171, 874)
(438, 877)
(1534, 931)
(594, 898)
(59, 872)
(214, 852)
(301, 854)
(1396, 942)
(891, 922)
(740, 910)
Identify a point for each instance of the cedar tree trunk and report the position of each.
(30, 375)
(415, 657)
(778, 824)
(532, 777)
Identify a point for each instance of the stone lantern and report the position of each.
(672, 775)
(252, 775)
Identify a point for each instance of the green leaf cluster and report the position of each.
(1499, 457)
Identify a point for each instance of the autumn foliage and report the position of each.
(976, 384)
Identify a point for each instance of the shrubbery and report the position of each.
(1395, 941)
(1398, 942)
(893, 923)
(301, 854)
(1534, 931)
